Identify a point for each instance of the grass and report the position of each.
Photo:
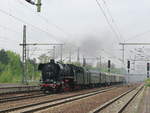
(147, 82)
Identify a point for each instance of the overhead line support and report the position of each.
(24, 79)
(134, 43)
(54, 44)
(123, 45)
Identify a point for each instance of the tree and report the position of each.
(11, 68)
(4, 59)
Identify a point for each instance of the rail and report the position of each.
(105, 105)
(51, 103)
(18, 89)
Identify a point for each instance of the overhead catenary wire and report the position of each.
(18, 18)
(3, 38)
(23, 21)
(138, 35)
(107, 20)
(113, 57)
(112, 18)
(12, 30)
(9, 29)
(28, 9)
(117, 34)
(46, 20)
(7, 38)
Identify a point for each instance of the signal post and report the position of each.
(128, 67)
(148, 67)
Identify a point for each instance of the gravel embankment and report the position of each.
(117, 105)
(134, 105)
(19, 94)
(87, 104)
(39, 99)
(144, 106)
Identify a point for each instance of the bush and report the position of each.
(11, 68)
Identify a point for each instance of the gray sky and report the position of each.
(78, 22)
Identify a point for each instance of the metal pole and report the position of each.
(100, 61)
(54, 52)
(84, 61)
(61, 54)
(147, 74)
(24, 56)
(134, 43)
(134, 62)
(27, 52)
(26, 63)
(148, 68)
(78, 55)
(70, 56)
(128, 75)
(123, 53)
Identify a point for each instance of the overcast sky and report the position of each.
(81, 23)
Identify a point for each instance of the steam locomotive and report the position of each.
(65, 77)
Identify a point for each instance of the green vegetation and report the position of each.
(147, 82)
(11, 68)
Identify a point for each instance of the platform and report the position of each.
(144, 106)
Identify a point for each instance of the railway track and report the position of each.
(18, 92)
(18, 89)
(118, 104)
(51, 103)
(17, 98)
(23, 96)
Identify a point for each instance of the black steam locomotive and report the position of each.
(65, 77)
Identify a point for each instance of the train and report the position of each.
(57, 77)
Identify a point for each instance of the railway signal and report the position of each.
(109, 65)
(128, 66)
(38, 4)
(148, 67)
